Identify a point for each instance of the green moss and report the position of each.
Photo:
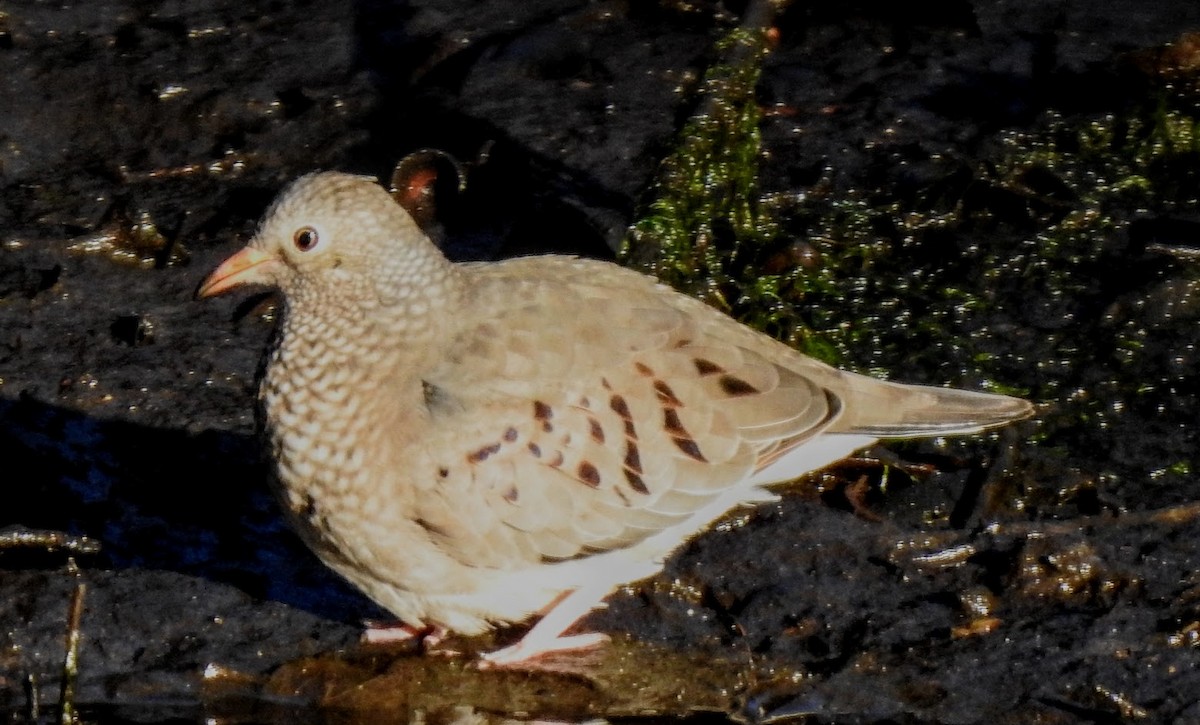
(1012, 271)
(707, 229)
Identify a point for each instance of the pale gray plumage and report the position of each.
(468, 442)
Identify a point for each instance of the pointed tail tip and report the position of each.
(1005, 409)
(950, 411)
(968, 411)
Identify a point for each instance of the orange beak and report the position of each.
(248, 266)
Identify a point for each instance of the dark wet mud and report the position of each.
(998, 195)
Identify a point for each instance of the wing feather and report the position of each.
(593, 409)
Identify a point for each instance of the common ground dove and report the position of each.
(474, 444)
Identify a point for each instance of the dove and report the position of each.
(475, 445)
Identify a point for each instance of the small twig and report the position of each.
(70, 672)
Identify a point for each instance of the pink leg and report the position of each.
(546, 636)
(391, 633)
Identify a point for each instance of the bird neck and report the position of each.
(323, 338)
(346, 348)
(341, 381)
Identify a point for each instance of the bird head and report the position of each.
(334, 238)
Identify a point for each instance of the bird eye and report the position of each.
(305, 238)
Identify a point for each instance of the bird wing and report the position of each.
(582, 420)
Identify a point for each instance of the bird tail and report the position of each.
(894, 410)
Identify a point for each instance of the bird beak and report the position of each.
(248, 266)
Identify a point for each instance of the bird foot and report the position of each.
(427, 637)
(540, 655)
(546, 637)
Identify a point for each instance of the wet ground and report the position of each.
(1002, 194)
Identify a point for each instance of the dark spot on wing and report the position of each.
(636, 482)
(707, 367)
(536, 450)
(633, 461)
(689, 447)
(483, 453)
(666, 396)
(510, 435)
(511, 495)
(588, 474)
(544, 413)
(736, 387)
(443, 472)
(683, 440)
(643, 369)
(672, 423)
(620, 407)
(596, 430)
